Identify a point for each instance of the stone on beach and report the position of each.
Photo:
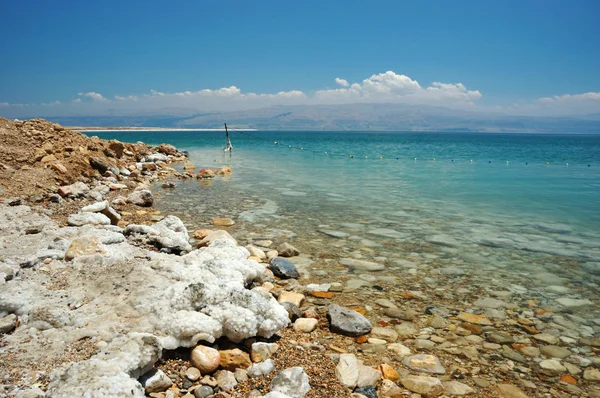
(84, 246)
(226, 380)
(287, 250)
(334, 234)
(362, 264)
(155, 381)
(213, 236)
(399, 349)
(347, 322)
(205, 359)
(291, 297)
(234, 359)
(292, 382)
(8, 323)
(263, 351)
(424, 363)
(260, 369)
(142, 198)
(305, 325)
(424, 385)
(223, 222)
(283, 268)
(454, 388)
(80, 219)
(473, 318)
(510, 391)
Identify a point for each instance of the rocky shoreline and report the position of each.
(104, 296)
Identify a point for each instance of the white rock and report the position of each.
(155, 381)
(424, 385)
(226, 380)
(292, 382)
(347, 370)
(80, 219)
(262, 351)
(457, 388)
(399, 349)
(552, 367)
(261, 368)
(367, 376)
(305, 325)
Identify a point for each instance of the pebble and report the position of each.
(457, 388)
(8, 323)
(193, 374)
(591, 375)
(510, 391)
(283, 268)
(405, 315)
(155, 381)
(292, 382)
(291, 297)
(424, 385)
(261, 368)
(203, 392)
(205, 359)
(347, 322)
(226, 380)
(223, 222)
(287, 250)
(399, 349)
(424, 363)
(306, 325)
(387, 334)
(263, 351)
(234, 359)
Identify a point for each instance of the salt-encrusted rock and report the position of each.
(34, 392)
(234, 359)
(142, 198)
(226, 380)
(283, 268)
(291, 297)
(263, 351)
(168, 233)
(104, 208)
(206, 359)
(112, 372)
(424, 385)
(305, 325)
(155, 381)
(287, 250)
(292, 382)
(347, 322)
(8, 323)
(261, 368)
(80, 219)
(84, 246)
(424, 363)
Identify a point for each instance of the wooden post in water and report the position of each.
(228, 148)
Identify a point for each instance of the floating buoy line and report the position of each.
(381, 157)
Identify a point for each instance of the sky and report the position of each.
(525, 57)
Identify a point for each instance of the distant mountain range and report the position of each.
(352, 117)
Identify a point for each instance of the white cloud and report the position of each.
(342, 82)
(94, 96)
(392, 87)
(388, 87)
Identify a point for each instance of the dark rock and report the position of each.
(100, 164)
(347, 322)
(283, 268)
(368, 391)
(293, 311)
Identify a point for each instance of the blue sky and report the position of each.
(505, 55)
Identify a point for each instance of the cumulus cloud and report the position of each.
(94, 96)
(342, 82)
(388, 87)
(395, 88)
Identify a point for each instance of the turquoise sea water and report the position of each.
(493, 214)
(469, 177)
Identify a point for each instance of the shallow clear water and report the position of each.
(519, 212)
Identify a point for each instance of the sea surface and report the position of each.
(522, 211)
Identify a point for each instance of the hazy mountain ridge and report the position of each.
(352, 117)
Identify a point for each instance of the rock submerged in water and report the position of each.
(283, 268)
(287, 250)
(347, 322)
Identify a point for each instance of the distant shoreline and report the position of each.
(81, 129)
